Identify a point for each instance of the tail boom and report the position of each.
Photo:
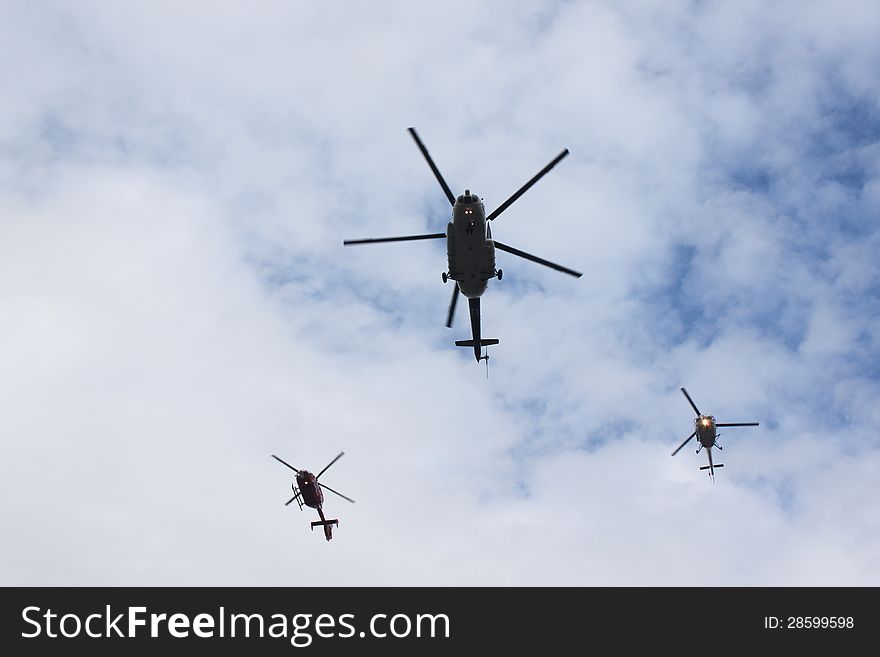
(477, 343)
(711, 467)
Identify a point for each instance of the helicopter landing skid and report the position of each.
(297, 495)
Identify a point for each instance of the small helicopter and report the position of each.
(470, 248)
(705, 431)
(307, 491)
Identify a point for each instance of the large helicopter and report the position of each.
(308, 492)
(470, 248)
(705, 431)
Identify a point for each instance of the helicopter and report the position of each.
(470, 248)
(705, 431)
(308, 492)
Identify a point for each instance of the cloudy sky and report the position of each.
(176, 304)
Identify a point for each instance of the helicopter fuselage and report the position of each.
(706, 431)
(310, 490)
(312, 496)
(469, 250)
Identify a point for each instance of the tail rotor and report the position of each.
(485, 357)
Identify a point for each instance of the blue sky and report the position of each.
(176, 305)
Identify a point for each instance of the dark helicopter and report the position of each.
(705, 431)
(470, 248)
(307, 491)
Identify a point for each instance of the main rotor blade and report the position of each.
(290, 500)
(337, 492)
(338, 456)
(451, 314)
(540, 261)
(427, 156)
(691, 401)
(737, 424)
(687, 440)
(285, 463)
(405, 238)
(522, 190)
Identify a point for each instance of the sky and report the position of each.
(176, 303)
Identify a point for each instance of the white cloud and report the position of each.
(177, 305)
